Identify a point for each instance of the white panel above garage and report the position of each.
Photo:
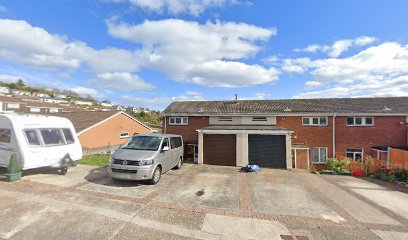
(242, 120)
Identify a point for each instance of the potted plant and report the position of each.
(14, 169)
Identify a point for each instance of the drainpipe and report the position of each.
(165, 124)
(334, 136)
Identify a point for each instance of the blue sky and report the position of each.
(149, 53)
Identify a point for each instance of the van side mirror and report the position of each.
(166, 148)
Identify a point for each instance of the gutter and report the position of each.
(165, 125)
(334, 136)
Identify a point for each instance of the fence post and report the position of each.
(388, 156)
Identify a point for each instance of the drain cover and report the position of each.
(200, 192)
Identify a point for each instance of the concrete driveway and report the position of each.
(201, 202)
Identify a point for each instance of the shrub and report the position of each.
(400, 174)
(14, 165)
(337, 166)
(385, 174)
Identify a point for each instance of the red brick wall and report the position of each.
(385, 132)
(188, 132)
(311, 136)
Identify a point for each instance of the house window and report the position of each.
(355, 154)
(178, 121)
(360, 121)
(314, 121)
(5, 135)
(124, 135)
(225, 119)
(35, 109)
(53, 110)
(319, 154)
(13, 105)
(259, 119)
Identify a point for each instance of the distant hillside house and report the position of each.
(101, 132)
(60, 96)
(42, 107)
(118, 108)
(54, 100)
(11, 104)
(105, 104)
(4, 90)
(132, 110)
(20, 92)
(82, 103)
(41, 95)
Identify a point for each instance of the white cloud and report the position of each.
(175, 7)
(338, 47)
(6, 78)
(258, 96)
(159, 102)
(205, 54)
(122, 81)
(298, 65)
(83, 91)
(380, 70)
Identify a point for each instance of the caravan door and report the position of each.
(6, 148)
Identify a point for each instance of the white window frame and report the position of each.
(363, 122)
(122, 137)
(37, 109)
(319, 162)
(318, 121)
(183, 121)
(354, 153)
(13, 105)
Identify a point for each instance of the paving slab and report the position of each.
(131, 232)
(75, 175)
(393, 200)
(290, 198)
(359, 209)
(206, 186)
(245, 228)
(391, 235)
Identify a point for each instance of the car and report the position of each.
(147, 157)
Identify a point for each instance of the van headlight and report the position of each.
(111, 160)
(146, 162)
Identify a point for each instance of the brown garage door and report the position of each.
(219, 149)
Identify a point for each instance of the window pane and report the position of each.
(359, 120)
(315, 121)
(51, 136)
(315, 155)
(68, 135)
(323, 121)
(323, 154)
(171, 120)
(357, 156)
(165, 143)
(185, 120)
(5, 135)
(32, 137)
(369, 121)
(306, 121)
(350, 121)
(178, 120)
(350, 155)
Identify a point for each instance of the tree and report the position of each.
(20, 83)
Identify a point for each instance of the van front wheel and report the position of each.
(156, 176)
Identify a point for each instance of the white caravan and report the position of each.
(38, 141)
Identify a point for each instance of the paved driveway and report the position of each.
(201, 202)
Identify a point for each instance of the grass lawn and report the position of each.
(96, 160)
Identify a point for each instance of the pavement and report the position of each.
(201, 202)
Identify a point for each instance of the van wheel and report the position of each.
(64, 171)
(156, 176)
(180, 163)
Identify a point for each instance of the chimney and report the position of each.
(236, 97)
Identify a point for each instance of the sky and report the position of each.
(148, 53)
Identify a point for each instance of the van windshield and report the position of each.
(149, 143)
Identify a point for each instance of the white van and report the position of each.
(38, 141)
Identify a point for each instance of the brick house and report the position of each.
(287, 133)
(101, 132)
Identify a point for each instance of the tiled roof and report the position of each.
(43, 104)
(386, 105)
(83, 120)
(11, 99)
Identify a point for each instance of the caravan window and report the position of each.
(32, 137)
(5, 135)
(51, 136)
(68, 135)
